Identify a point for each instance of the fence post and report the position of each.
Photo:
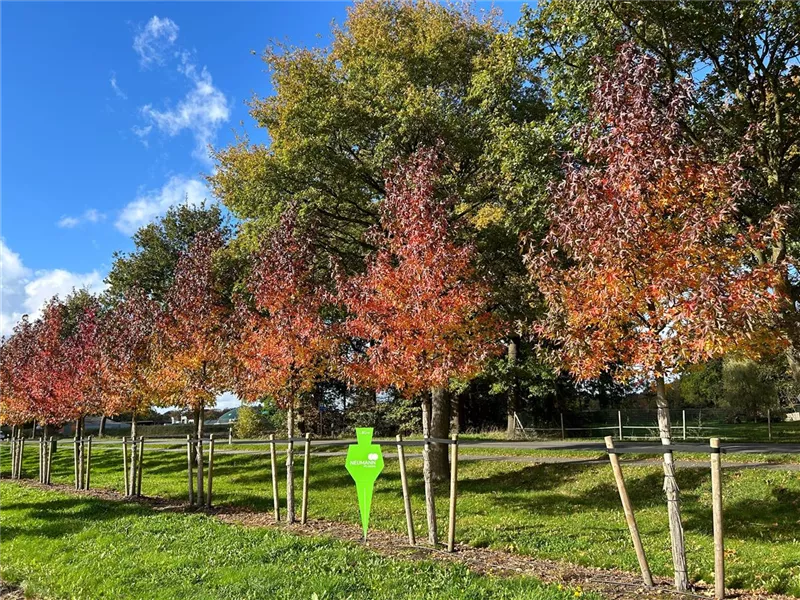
(210, 469)
(563, 436)
(230, 435)
(719, 542)
(684, 425)
(306, 457)
(401, 455)
(769, 425)
(125, 465)
(629, 516)
(451, 530)
(619, 418)
(141, 462)
(189, 468)
(89, 463)
(274, 462)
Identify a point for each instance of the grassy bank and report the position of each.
(569, 512)
(61, 546)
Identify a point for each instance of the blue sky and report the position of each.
(107, 109)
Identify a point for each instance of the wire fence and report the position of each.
(686, 424)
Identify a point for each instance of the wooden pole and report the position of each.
(563, 432)
(430, 504)
(719, 542)
(629, 516)
(89, 463)
(210, 469)
(125, 465)
(619, 419)
(75, 458)
(401, 455)
(189, 468)
(451, 530)
(306, 458)
(41, 459)
(139, 470)
(274, 469)
(230, 435)
(769, 424)
(684, 425)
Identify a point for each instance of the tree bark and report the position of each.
(512, 400)
(439, 426)
(671, 490)
(430, 504)
(101, 432)
(290, 465)
(455, 414)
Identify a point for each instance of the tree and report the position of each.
(748, 388)
(742, 60)
(400, 75)
(159, 246)
(420, 307)
(250, 422)
(286, 342)
(16, 352)
(192, 349)
(642, 266)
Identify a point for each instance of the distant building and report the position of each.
(229, 417)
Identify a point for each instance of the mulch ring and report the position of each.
(612, 584)
(9, 592)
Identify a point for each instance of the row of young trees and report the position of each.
(444, 202)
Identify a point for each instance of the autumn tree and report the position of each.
(420, 308)
(286, 342)
(193, 335)
(16, 353)
(643, 266)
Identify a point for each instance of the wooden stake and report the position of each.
(189, 468)
(20, 457)
(199, 465)
(451, 530)
(125, 465)
(306, 457)
(629, 516)
(210, 469)
(430, 503)
(139, 471)
(684, 425)
(401, 455)
(274, 463)
(41, 459)
(619, 418)
(719, 542)
(89, 464)
(75, 458)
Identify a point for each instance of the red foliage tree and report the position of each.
(643, 267)
(286, 344)
(127, 350)
(193, 337)
(16, 352)
(419, 307)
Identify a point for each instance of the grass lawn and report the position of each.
(63, 546)
(557, 511)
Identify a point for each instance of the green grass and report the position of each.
(558, 511)
(63, 546)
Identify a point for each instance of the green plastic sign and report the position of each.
(364, 463)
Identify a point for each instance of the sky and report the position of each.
(106, 113)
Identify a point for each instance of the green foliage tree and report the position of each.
(159, 245)
(748, 387)
(701, 385)
(250, 422)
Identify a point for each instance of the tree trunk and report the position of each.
(101, 432)
(199, 455)
(439, 426)
(513, 390)
(671, 490)
(290, 465)
(455, 414)
(430, 504)
(33, 430)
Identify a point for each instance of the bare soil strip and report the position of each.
(610, 583)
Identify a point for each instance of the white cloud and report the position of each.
(23, 291)
(114, 86)
(90, 216)
(154, 40)
(151, 204)
(228, 400)
(202, 110)
(142, 133)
